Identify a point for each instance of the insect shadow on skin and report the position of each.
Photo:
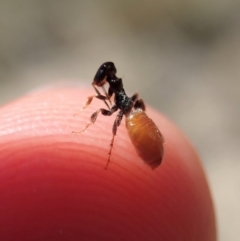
(143, 132)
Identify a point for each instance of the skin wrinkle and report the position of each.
(27, 149)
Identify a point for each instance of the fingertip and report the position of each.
(53, 183)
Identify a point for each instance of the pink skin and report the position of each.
(53, 185)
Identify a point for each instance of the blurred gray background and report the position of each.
(182, 56)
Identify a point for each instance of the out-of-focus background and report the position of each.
(182, 56)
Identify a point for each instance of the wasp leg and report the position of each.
(107, 96)
(139, 104)
(134, 97)
(89, 101)
(117, 122)
(94, 117)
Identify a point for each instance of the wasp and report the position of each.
(143, 132)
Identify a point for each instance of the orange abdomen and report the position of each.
(146, 137)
